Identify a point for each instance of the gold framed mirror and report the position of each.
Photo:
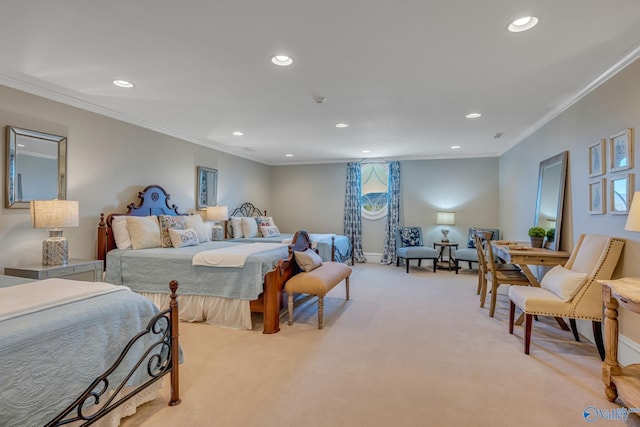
(36, 167)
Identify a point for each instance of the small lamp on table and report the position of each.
(54, 215)
(218, 214)
(445, 218)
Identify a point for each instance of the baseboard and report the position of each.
(628, 351)
(373, 257)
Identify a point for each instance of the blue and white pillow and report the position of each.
(182, 238)
(411, 236)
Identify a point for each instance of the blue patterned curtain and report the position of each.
(352, 206)
(393, 214)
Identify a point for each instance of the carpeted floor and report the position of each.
(407, 350)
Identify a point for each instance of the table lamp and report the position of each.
(445, 218)
(216, 214)
(54, 215)
(633, 219)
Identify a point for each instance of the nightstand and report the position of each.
(89, 270)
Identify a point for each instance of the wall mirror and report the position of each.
(36, 167)
(550, 201)
(207, 192)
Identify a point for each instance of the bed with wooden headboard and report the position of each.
(224, 296)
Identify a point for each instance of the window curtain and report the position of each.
(393, 214)
(352, 207)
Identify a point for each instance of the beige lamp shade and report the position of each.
(445, 218)
(633, 219)
(54, 213)
(217, 213)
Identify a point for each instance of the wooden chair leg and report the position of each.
(435, 264)
(483, 292)
(456, 265)
(528, 320)
(406, 260)
(479, 283)
(398, 261)
(346, 285)
(494, 299)
(419, 262)
(290, 308)
(574, 329)
(512, 316)
(597, 337)
(320, 312)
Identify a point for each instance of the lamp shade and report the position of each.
(445, 218)
(217, 213)
(633, 220)
(54, 213)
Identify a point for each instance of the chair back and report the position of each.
(409, 236)
(596, 255)
(489, 233)
(482, 241)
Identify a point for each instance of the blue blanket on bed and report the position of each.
(49, 357)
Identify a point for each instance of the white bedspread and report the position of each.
(35, 296)
(234, 256)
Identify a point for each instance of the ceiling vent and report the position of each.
(497, 135)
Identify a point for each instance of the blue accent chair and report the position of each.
(470, 253)
(409, 245)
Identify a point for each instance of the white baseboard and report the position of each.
(628, 351)
(373, 257)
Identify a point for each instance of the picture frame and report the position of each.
(597, 200)
(621, 150)
(597, 154)
(621, 189)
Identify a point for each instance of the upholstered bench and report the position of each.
(315, 278)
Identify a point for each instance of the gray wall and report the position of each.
(613, 106)
(108, 163)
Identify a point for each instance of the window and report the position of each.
(374, 191)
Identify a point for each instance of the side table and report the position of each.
(443, 262)
(89, 270)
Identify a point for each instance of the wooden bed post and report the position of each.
(333, 248)
(175, 346)
(102, 238)
(273, 285)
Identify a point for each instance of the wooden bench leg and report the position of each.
(320, 312)
(346, 281)
(290, 308)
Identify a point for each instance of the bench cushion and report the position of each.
(320, 280)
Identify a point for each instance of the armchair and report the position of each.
(409, 245)
(572, 291)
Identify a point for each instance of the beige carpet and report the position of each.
(407, 350)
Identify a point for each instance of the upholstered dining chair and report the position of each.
(495, 273)
(409, 245)
(572, 291)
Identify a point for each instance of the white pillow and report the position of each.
(308, 259)
(249, 227)
(195, 221)
(121, 232)
(269, 231)
(144, 231)
(182, 238)
(208, 229)
(563, 283)
(236, 227)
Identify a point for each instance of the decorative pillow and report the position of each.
(236, 227)
(308, 259)
(472, 243)
(411, 236)
(182, 238)
(195, 222)
(249, 227)
(563, 283)
(269, 231)
(167, 222)
(144, 231)
(121, 232)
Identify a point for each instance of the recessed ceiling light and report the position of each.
(237, 133)
(455, 147)
(473, 115)
(523, 24)
(282, 60)
(123, 83)
(288, 155)
(366, 151)
(342, 125)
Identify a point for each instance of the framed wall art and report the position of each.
(621, 150)
(597, 153)
(621, 188)
(597, 197)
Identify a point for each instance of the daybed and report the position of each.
(331, 247)
(62, 339)
(223, 295)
